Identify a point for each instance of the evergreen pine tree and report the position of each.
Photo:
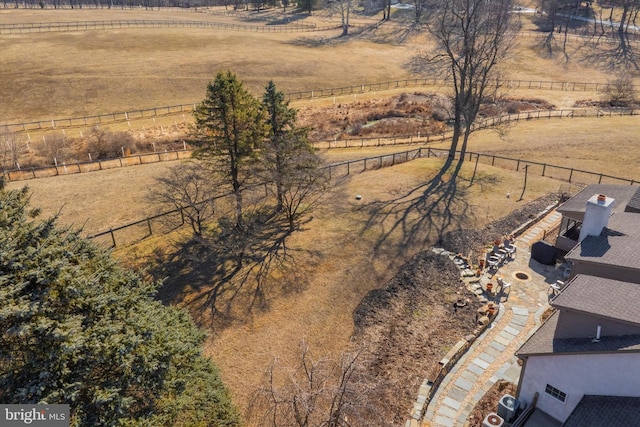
(78, 329)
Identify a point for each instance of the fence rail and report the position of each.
(52, 124)
(146, 227)
(47, 27)
(81, 167)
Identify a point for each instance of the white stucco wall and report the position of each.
(577, 375)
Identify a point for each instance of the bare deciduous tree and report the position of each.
(189, 188)
(343, 8)
(473, 37)
(12, 147)
(55, 148)
(316, 393)
(621, 92)
(104, 144)
(419, 7)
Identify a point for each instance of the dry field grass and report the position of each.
(99, 200)
(349, 247)
(607, 145)
(72, 74)
(69, 74)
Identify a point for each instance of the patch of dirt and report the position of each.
(406, 327)
(489, 402)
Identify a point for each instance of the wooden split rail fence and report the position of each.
(164, 222)
(47, 27)
(125, 116)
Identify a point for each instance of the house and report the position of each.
(582, 366)
(590, 346)
(626, 197)
(606, 230)
(614, 253)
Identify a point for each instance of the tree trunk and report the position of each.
(623, 19)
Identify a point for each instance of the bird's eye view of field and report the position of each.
(324, 295)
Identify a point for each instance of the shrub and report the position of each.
(621, 92)
(104, 144)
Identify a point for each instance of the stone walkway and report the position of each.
(491, 357)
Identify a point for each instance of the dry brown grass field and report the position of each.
(349, 247)
(607, 145)
(71, 74)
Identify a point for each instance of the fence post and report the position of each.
(571, 175)
(600, 179)
(518, 166)
(544, 167)
(149, 226)
(348, 167)
(113, 238)
(493, 160)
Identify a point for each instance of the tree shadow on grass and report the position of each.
(354, 33)
(392, 34)
(225, 276)
(423, 214)
(622, 54)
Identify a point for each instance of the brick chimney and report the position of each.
(596, 216)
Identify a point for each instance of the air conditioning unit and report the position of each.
(492, 420)
(507, 407)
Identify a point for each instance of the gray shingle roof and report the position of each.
(575, 206)
(634, 203)
(543, 342)
(605, 411)
(613, 299)
(618, 244)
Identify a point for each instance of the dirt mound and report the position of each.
(407, 326)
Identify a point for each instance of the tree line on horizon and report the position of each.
(157, 4)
